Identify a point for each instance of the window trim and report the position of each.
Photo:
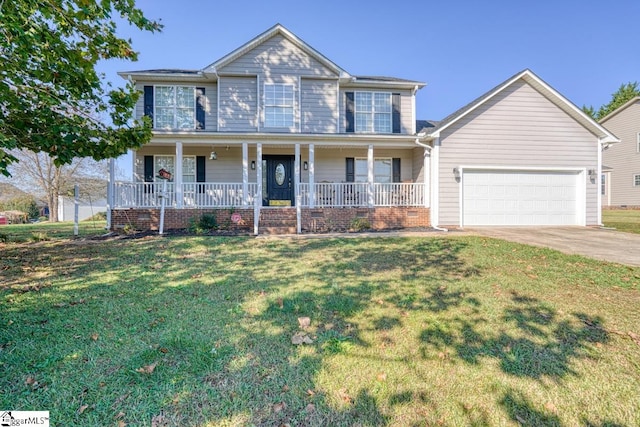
(372, 112)
(195, 168)
(265, 105)
(175, 116)
(366, 159)
(156, 169)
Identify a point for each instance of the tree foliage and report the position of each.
(624, 94)
(50, 92)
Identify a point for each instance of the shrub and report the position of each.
(205, 223)
(359, 224)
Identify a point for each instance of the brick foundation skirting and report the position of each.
(317, 220)
(149, 219)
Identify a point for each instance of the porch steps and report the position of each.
(277, 221)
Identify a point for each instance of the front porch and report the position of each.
(326, 207)
(208, 195)
(327, 187)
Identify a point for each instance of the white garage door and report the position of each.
(494, 197)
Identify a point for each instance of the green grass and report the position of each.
(622, 220)
(406, 332)
(40, 231)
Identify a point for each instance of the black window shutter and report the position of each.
(395, 118)
(200, 105)
(351, 170)
(148, 101)
(201, 175)
(148, 168)
(396, 169)
(349, 110)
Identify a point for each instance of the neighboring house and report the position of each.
(284, 137)
(86, 208)
(621, 177)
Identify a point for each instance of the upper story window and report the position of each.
(636, 180)
(175, 107)
(373, 112)
(278, 105)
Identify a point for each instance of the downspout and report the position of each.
(428, 147)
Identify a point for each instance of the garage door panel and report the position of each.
(519, 198)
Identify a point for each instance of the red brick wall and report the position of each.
(149, 219)
(313, 220)
(381, 218)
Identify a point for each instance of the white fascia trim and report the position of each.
(620, 109)
(258, 40)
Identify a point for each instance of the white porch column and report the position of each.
(312, 176)
(370, 176)
(259, 171)
(257, 202)
(110, 191)
(296, 169)
(426, 175)
(245, 174)
(177, 178)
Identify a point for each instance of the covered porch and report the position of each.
(259, 176)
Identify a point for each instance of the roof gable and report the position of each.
(276, 30)
(545, 90)
(621, 108)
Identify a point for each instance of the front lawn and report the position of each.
(401, 332)
(623, 219)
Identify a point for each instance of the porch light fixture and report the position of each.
(253, 165)
(592, 173)
(456, 173)
(305, 166)
(213, 156)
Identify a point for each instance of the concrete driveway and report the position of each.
(598, 243)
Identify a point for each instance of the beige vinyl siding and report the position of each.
(211, 97)
(277, 56)
(623, 157)
(238, 104)
(330, 162)
(418, 165)
(319, 106)
(517, 128)
(406, 105)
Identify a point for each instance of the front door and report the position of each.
(278, 184)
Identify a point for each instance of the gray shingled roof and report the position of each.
(165, 71)
(426, 125)
(384, 79)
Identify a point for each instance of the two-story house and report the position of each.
(620, 184)
(291, 142)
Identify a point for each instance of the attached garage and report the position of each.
(519, 155)
(521, 197)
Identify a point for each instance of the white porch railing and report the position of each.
(227, 195)
(195, 195)
(353, 194)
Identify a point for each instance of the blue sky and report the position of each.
(461, 49)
